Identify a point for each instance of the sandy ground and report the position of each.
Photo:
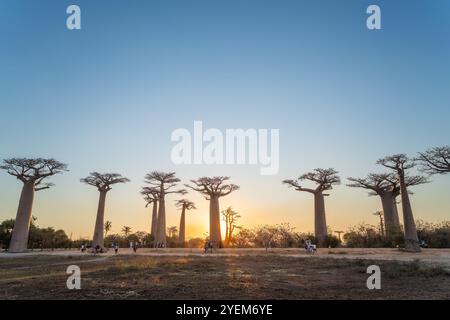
(434, 256)
(226, 274)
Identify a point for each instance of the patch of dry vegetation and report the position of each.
(225, 277)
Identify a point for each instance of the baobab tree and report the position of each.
(325, 179)
(213, 188)
(184, 205)
(400, 164)
(151, 196)
(435, 160)
(381, 185)
(387, 187)
(103, 183)
(230, 217)
(163, 182)
(33, 174)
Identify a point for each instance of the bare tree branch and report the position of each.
(435, 160)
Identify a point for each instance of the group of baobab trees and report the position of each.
(388, 186)
(160, 184)
(33, 173)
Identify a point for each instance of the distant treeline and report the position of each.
(435, 235)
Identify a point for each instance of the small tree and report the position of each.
(126, 230)
(108, 225)
(230, 217)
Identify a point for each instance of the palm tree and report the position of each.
(126, 231)
(103, 184)
(108, 225)
(184, 205)
(325, 179)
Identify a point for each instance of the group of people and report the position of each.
(98, 249)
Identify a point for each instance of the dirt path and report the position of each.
(438, 256)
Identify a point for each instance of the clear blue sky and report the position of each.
(107, 98)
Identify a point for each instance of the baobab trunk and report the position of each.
(214, 222)
(395, 211)
(154, 229)
(19, 238)
(389, 211)
(182, 235)
(99, 222)
(161, 230)
(320, 223)
(411, 239)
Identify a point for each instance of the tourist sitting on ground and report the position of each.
(206, 247)
(309, 247)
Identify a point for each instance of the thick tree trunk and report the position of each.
(161, 231)
(395, 210)
(411, 239)
(182, 234)
(154, 228)
(214, 222)
(19, 238)
(99, 222)
(320, 223)
(389, 211)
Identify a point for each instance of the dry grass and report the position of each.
(226, 277)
